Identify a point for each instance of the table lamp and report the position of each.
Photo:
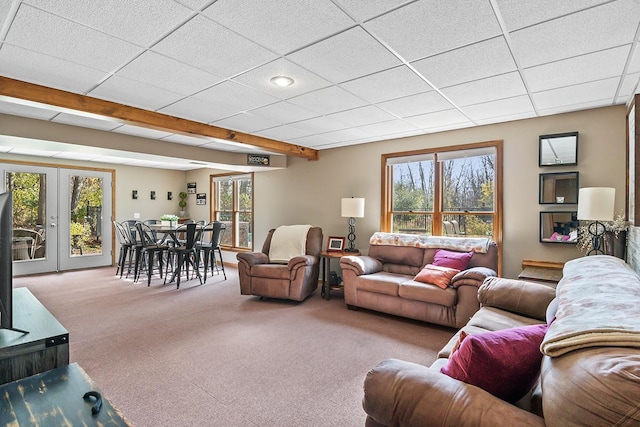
(352, 208)
(596, 204)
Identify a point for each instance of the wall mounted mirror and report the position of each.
(558, 188)
(560, 149)
(559, 227)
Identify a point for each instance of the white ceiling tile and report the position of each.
(283, 133)
(194, 4)
(506, 118)
(328, 100)
(580, 69)
(283, 26)
(229, 98)
(191, 109)
(284, 112)
(575, 107)
(245, 122)
(346, 56)
(86, 122)
(629, 85)
(362, 116)
(489, 89)
(46, 70)
(500, 108)
(634, 64)
(143, 132)
(518, 14)
(344, 135)
(16, 109)
(5, 7)
(601, 90)
(260, 78)
(429, 27)
(363, 10)
(209, 46)
(312, 141)
(140, 22)
(158, 70)
(389, 84)
(413, 105)
(440, 118)
(387, 128)
(133, 93)
(473, 62)
(609, 25)
(67, 40)
(445, 128)
(28, 151)
(320, 125)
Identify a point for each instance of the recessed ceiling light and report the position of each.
(282, 81)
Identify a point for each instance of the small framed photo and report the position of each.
(335, 244)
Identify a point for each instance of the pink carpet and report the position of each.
(208, 356)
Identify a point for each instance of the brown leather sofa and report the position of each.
(295, 280)
(382, 280)
(591, 384)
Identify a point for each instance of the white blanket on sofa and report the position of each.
(598, 300)
(461, 244)
(288, 241)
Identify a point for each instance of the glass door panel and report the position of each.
(34, 217)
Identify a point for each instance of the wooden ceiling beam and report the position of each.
(138, 116)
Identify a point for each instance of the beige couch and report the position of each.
(592, 377)
(382, 280)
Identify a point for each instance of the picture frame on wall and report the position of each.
(335, 244)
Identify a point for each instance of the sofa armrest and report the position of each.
(252, 258)
(517, 296)
(360, 265)
(407, 394)
(474, 276)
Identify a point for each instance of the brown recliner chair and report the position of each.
(294, 280)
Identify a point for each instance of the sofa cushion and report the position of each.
(494, 319)
(272, 271)
(436, 275)
(452, 259)
(427, 293)
(381, 283)
(505, 363)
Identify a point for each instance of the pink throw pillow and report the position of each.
(457, 260)
(505, 363)
(435, 275)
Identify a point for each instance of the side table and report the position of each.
(327, 256)
(546, 272)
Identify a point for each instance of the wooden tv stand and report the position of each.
(45, 347)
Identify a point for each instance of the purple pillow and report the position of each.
(505, 363)
(457, 260)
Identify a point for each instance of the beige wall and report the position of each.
(310, 191)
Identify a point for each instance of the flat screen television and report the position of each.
(6, 262)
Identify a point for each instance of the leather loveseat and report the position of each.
(384, 281)
(590, 367)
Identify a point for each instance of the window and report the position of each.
(450, 191)
(233, 205)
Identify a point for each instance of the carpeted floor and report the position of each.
(208, 356)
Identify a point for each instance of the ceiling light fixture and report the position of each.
(282, 81)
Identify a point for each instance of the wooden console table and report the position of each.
(45, 347)
(55, 398)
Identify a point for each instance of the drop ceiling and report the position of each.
(364, 71)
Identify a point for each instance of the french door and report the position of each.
(62, 217)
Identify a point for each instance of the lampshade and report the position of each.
(596, 203)
(353, 207)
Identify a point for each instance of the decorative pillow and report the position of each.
(457, 260)
(505, 363)
(436, 275)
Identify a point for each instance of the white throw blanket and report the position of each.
(288, 241)
(598, 300)
(461, 244)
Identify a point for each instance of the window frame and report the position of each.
(438, 211)
(235, 212)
